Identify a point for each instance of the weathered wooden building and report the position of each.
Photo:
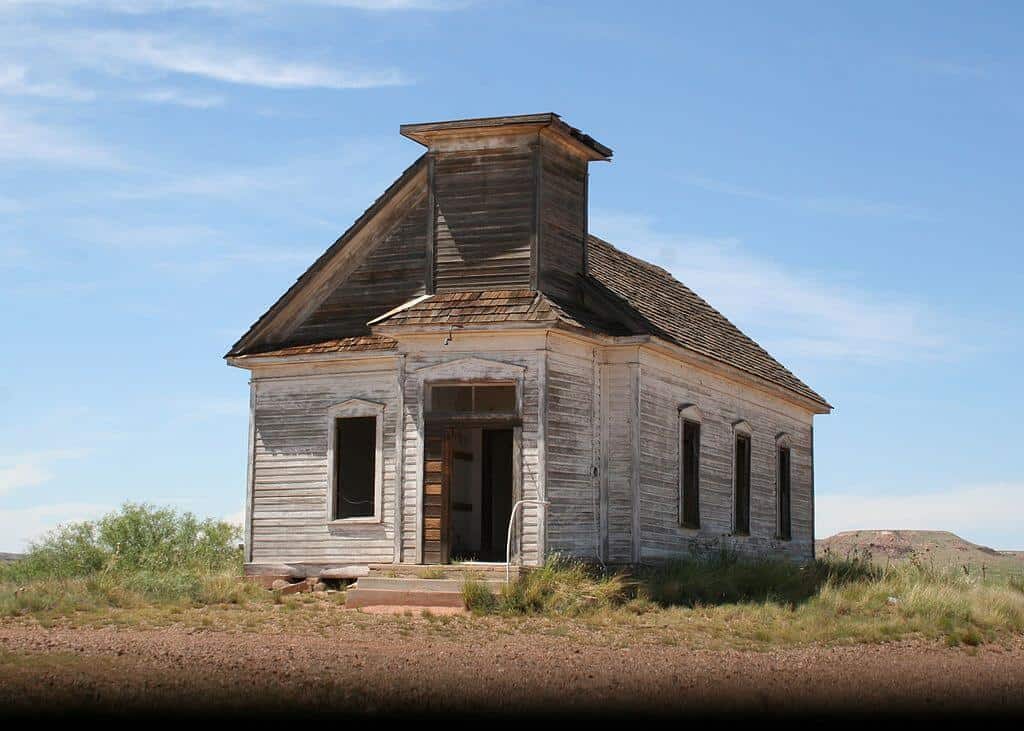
(467, 344)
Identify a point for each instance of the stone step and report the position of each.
(410, 583)
(370, 591)
(356, 598)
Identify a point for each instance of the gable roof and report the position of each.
(676, 313)
(244, 343)
(621, 295)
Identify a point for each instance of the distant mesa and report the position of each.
(10, 557)
(936, 547)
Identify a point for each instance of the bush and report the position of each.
(564, 587)
(135, 556)
(135, 538)
(478, 596)
(728, 579)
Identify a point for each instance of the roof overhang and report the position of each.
(455, 133)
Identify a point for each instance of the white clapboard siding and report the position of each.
(666, 385)
(618, 386)
(289, 510)
(572, 425)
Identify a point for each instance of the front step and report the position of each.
(373, 591)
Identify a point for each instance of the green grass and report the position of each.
(144, 565)
(770, 602)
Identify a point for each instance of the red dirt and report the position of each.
(379, 668)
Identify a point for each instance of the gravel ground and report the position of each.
(377, 669)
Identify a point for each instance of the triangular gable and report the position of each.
(377, 264)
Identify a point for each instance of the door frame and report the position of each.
(447, 426)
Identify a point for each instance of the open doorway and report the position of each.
(480, 498)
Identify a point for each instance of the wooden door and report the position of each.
(437, 470)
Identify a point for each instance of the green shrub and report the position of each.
(137, 538)
(478, 596)
(564, 587)
(136, 556)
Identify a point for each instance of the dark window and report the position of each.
(690, 517)
(785, 525)
(494, 399)
(452, 399)
(473, 399)
(742, 518)
(355, 462)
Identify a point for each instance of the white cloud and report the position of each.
(235, 518)
(27, 140)
(836, 205)
(19, 526)
(981, 509)
(15, 80)
(32, 469)
(116, 50)
(182, 98)
(795, 312)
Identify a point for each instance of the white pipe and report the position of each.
(508, 542)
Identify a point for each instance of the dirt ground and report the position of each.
(380, 667)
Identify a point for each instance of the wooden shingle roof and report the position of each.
(359, 343)
(676, 313)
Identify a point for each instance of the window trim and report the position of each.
(355, 408)
(742, 427)
(783, 441)
(688, 413)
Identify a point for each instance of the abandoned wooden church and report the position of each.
(468, 357)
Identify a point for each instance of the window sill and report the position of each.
(689, 527)
(343, 522)
(740, 534)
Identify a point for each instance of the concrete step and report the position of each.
(408, 583)
(371, 591)
(356, 598)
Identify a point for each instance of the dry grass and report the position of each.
(724, 600)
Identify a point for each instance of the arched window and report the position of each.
(741, 478)
(783, 493)
(690, 419)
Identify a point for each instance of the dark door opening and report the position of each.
(480, 495)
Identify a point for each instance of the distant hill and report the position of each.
(8, 557)
(940, 548)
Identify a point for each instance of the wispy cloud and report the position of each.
(139, 237)
(16, 80)
(834, 205)
(958, 69)
(116, 50)
(971, 510)
(25, 139)
(142, 7)
(20, 526)
(789, 311)
(181, 98)
(7, 207)
(31, 469)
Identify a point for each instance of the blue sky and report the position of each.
(843, 182)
